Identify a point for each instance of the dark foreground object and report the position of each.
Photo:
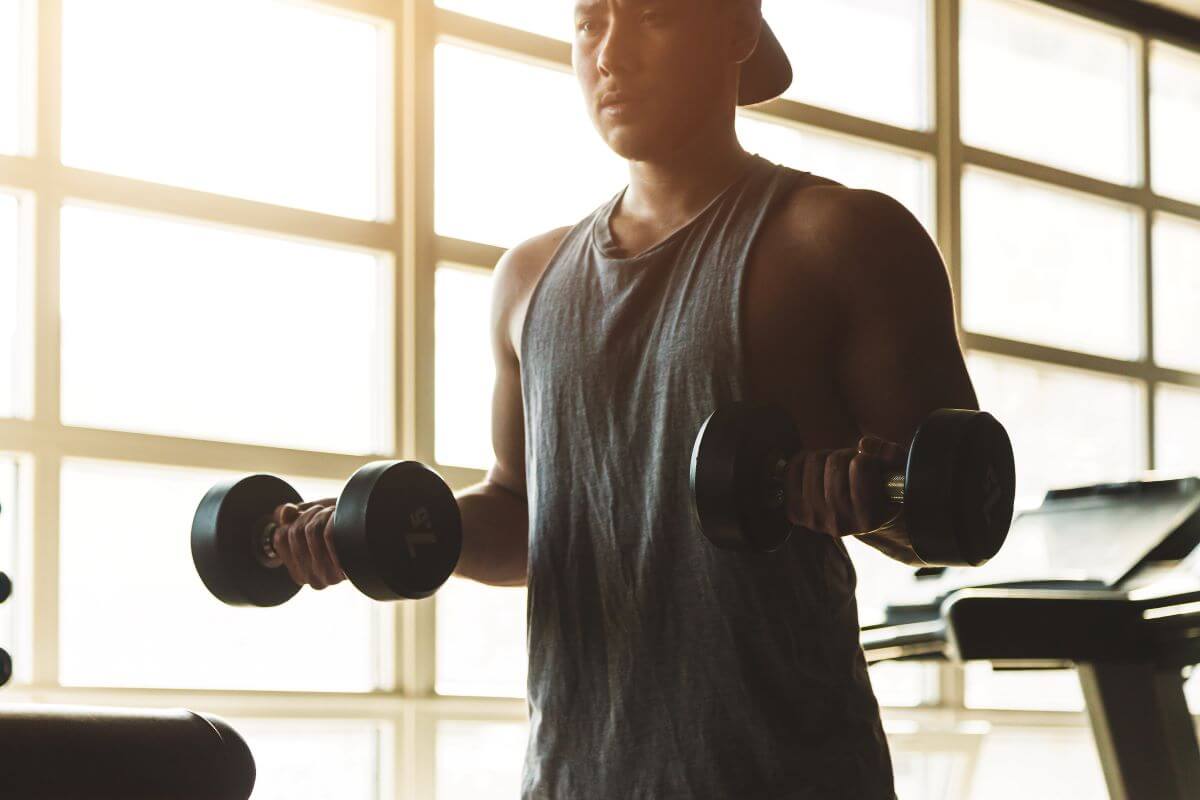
(83, 753)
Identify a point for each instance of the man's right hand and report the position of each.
(304, 541)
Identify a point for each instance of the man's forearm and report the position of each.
(495, 535)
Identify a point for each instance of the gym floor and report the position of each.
(164, 230)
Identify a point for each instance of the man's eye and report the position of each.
(651, 16)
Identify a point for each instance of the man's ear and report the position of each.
(746, 16)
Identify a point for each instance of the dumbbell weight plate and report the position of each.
(959, 490)
(737, 497)
(397, 530)
(223, 541)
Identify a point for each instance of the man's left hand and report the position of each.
(842, 492)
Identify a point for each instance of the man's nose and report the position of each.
(617, 52)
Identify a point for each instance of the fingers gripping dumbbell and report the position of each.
(396, 532)
(956, 492)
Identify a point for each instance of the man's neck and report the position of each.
(668, 192)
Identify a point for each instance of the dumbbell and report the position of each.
(396, 532)
(5, 659)
(956, 491)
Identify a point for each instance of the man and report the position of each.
(660, 666)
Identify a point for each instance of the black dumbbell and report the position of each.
(5, 659)
(956, 492)
(396, 531)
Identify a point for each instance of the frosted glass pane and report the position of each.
(1038, 764)
(1175, 121)
(541, 164)
(933, 764)
(1176, 293)
(551, 18)
(879, 579)
(191, 330)
(1053, 414)
(310, 760)
(271, 101)
(465, 368)
(135, 614)
(862, 57)
(1048, 690)
(479, 760)
(1051, 267)
(10, 614)
(1050, 87)
(481, 640)
(10, 310)
(11, 75)
(898, 685)
(854, 162)
(1177, 439)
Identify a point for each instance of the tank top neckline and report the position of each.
(605, 244)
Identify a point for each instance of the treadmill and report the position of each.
(1102, 578)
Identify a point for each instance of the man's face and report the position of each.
(668, 59)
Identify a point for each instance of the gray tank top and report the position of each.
(659, 665)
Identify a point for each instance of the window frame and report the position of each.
(406, 706)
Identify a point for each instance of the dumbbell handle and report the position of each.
(894, 487)
(264, 545)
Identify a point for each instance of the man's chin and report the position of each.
(632, 144)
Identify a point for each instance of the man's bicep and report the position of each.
(508, 430)
(508, 408)
(900, 357)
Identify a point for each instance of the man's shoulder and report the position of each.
(516, 273)
(827, 227)
(521, 265)
(818, 210)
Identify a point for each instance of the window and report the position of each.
(481, 640)
(861, 57)
(551, 18)
(565, 169)
(1054, 762)
(1024, 279)
(13, 75)
(465, 368)
(1049, 690)
(1178, 429)
(1052, 415)
(188, 330)
(125, 556)
(495, 751)
(289, 112)
(11, 307)
(1050, 87)
(1176, 293)
(1175, 121)
(293, 758)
